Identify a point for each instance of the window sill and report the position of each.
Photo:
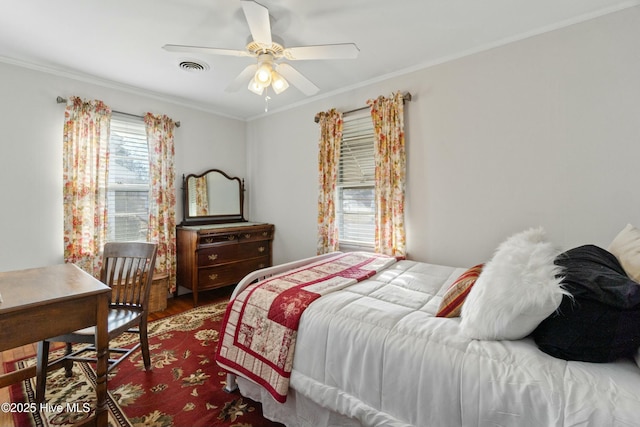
(346, 247)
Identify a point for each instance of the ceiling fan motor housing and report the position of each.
(275, 49)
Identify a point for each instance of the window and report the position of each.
(355, 211)
(128, 183)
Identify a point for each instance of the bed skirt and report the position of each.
(297, 411)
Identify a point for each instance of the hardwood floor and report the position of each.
(174, 306)
(185, 302)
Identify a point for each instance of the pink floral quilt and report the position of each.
(260, 325)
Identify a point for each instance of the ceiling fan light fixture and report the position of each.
(278, 83)
(263, 75)
(255, 87)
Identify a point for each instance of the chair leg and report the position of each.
(41, 370)
(68, 364)
(144, 343)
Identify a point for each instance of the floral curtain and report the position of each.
(85, 165)
(162, 199)
(328, 159)
(390, 173)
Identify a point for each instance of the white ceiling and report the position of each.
(119, 42)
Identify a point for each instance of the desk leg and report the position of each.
(102, 344)
(41, 370)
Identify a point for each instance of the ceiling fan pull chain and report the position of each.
(266, 100)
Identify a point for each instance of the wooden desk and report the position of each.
(41, 303)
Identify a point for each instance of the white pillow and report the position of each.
(517, 289)
(626, 247)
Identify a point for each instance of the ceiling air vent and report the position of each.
(192, 65)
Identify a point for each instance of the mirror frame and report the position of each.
(210, 219)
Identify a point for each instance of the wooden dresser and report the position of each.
(216, 255)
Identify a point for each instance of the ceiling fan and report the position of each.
(268, 69)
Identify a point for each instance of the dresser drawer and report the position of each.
(263, 234)
(228, 253)
(228, 274)
(212, 239)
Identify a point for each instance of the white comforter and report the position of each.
(376, 353)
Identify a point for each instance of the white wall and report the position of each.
(544, 131)
(31, 125)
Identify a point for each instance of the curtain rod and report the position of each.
(405, 98)
(61, 100)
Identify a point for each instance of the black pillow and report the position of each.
(601, 321)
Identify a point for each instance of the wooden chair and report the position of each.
(128, 269)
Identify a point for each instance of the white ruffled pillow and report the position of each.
(517, 289)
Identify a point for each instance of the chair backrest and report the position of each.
(127, 267)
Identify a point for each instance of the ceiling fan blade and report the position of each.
(242, 79)
(206, 50)
(297, 79)
(258, 19)
(327, 51)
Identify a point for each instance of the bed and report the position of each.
(375, 353)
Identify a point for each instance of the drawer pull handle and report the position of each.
(261, 249)
(262, 265)
(213, 276)
(208, 240)
(247, 236)
(265, 233)
(213, 257)
(231, 237)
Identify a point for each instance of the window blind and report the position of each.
(356, 152)
(356, 181)
(128, 183)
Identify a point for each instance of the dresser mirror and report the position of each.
(212, 197)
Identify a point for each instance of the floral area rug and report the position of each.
(183, 388)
